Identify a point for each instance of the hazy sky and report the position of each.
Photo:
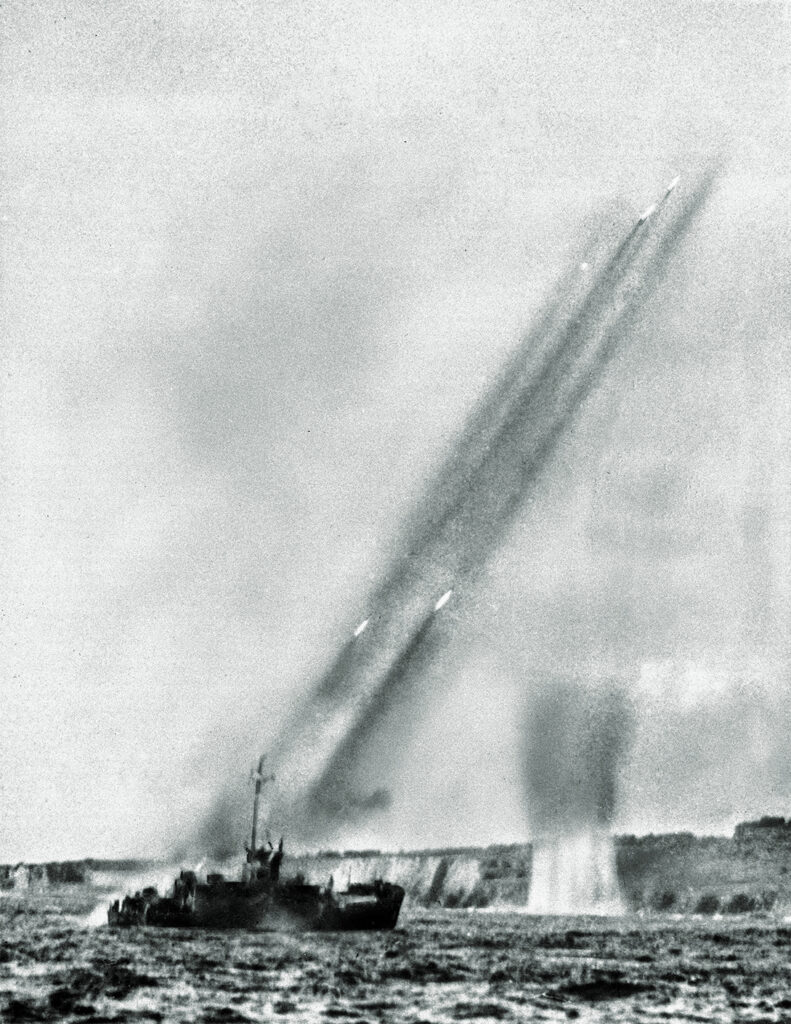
(258, 261)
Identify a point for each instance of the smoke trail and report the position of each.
(396, 595)
(469, 524)
(480, 489)
(521, 371)
(464, 537)
(545, 406)
(335, 796)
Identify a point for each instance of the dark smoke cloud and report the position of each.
(576, 738)
(341, 804)
(220, 830)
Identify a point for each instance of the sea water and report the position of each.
(438, 965)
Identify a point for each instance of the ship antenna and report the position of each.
(259, 778)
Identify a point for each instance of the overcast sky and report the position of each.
(259, 259)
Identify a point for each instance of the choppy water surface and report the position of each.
(437, 966)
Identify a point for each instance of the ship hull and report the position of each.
(286, 906)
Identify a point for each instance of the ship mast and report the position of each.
(260, 779)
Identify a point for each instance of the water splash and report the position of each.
(98, 916)
(123, 885)
(575, 874)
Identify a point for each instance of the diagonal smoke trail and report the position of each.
(536, 418)
(408, 586)
(336, 795)
(476, 496)
(521, 372)
(417, 575)
(529, 436)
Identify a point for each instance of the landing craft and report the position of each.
(261, 899)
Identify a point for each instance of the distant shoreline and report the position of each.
(672, 872)
(774, 827)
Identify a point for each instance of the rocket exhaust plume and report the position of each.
(478, 491)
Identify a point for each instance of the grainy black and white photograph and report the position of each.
(396, 511)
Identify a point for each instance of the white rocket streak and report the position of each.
(671, 186)
(647, 213)
(652, 208)
(443, 600)
(361, 627)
